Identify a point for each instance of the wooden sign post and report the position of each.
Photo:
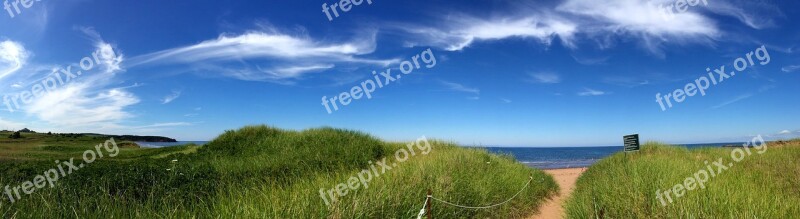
(631, 143)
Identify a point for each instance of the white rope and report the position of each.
(422, 212)
(485, 207)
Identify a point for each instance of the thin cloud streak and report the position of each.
(591, 92)
(289, 57)
(461, 88)
(171, 97)
(734, 100)
(545, 78)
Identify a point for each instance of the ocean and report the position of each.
(568, 157)
(536, 157)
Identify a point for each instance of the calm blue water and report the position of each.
(539, 157)
(168, 144)
(566, 157)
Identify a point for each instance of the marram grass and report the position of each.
(763, 185)
(264, 172)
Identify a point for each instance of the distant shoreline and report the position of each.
(168, 144)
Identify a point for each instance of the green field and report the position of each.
(264, 172)
(761, 185)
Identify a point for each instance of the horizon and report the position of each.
(556, 73)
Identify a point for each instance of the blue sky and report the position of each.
(511, 73)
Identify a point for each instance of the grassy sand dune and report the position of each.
(765, 185)
(264, 172)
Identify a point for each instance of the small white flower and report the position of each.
(176, 160)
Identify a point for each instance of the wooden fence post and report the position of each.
(428, 205)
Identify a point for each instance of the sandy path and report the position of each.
(566, 179)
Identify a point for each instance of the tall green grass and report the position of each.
(624, 186)
(265, 172)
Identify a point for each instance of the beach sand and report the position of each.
(566, 179)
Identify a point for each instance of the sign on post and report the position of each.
(631, 142)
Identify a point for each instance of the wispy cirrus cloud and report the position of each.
(626, 81)
(744, 96)
(461, 88)
(604, 22)
(80, 106)
(12, 57)
(592, 92)
(172, 96)
(590, 60)
(790, 68)
(461, 31)
(196, 109)
(544, 78)
(642, 20)
(110, 58)
(90, 102)
(732, 101)
(754, 13)
(289, 57)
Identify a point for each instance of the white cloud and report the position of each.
(110, 59)
(590, 61)
(734, 100)
(12, 57)
(462, 31)
(289, 57)
(169, 98)
(461, 88)
(79, 105)
(785, 132)
(790, 68)
(90, 102)
(545, 78)
(604, 22)
(639, 16)
(296, 71)
(591, 92)
(641, 19)
(626, 81)
(505, 100)
(755, 14)
(257, 44)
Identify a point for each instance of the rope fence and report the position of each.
(426, 208)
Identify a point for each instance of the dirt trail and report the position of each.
(566, 179)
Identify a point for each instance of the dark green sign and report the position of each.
(631, 142)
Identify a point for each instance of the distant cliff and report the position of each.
(123, 137)
(142, 138)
